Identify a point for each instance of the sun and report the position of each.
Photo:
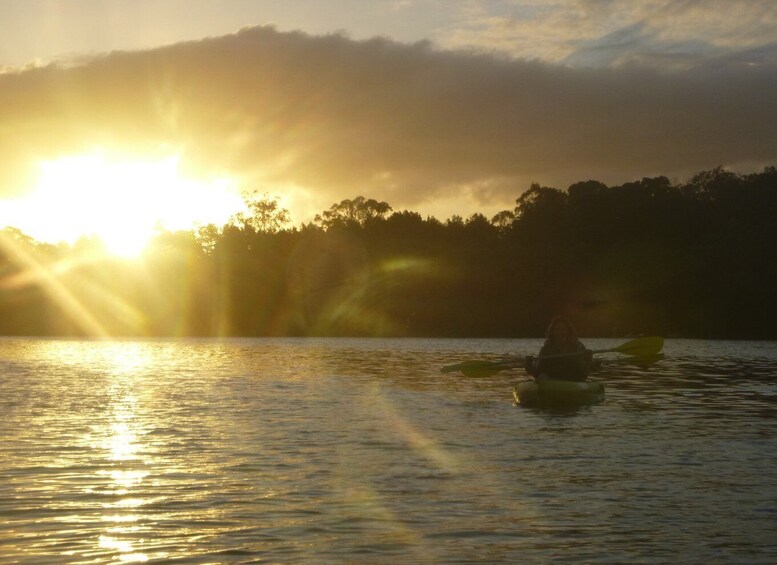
(123, 202)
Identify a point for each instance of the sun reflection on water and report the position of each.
(124, 547)
(124, 480)
(125, 467)
(122, 447)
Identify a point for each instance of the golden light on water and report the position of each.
(122, 446)
(125, 549)
(122, 201)
(121, 443)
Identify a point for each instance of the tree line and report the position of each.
(688, 259)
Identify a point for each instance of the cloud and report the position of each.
(609, 32)
(684, 35)
(404, 123)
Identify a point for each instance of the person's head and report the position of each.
(561, 331)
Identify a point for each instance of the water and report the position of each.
(361, 451)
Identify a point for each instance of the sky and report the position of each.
(438, 106)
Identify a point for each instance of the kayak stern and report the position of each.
(558, 393)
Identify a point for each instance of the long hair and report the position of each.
(570, 330)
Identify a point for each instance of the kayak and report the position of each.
(548, 392)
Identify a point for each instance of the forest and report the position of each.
(678, 259)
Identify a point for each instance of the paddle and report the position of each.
(641, 347)
(485, 369)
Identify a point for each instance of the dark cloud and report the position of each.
(403, 123)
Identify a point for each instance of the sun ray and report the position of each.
(51, 284)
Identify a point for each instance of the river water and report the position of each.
(361, 451)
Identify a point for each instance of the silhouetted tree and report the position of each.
(357, 211)
(264, 215)
(689, 258)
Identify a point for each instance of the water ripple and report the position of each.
(331, 451)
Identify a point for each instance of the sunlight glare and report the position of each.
(121, 202)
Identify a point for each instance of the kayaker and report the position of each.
(562, 357)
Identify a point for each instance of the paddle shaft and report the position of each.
(640, 347)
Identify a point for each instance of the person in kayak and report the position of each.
(562, 357)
